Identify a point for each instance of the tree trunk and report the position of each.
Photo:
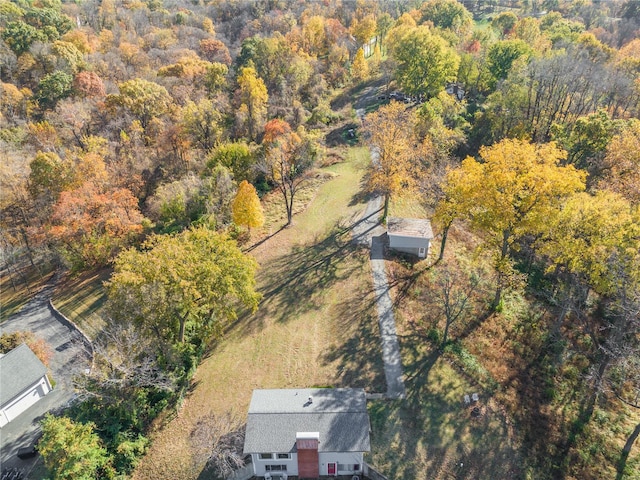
(501, 276)
(385, 211)
(289, 201)
(631, 440)
(443, 243)
(446, 333)
(183, 320)
(622, 461)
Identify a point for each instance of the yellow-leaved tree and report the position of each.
(246, 207)
(253, 100)
(360, 68)
(511, 193)
(394, 157)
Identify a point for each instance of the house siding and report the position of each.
(340, 458)
(324, 458)
(260, 465)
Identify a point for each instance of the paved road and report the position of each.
(70, 357)
(386, 321)
(369, 232)
(369, 224)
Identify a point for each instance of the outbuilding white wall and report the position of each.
(24, 400)
(410, 245)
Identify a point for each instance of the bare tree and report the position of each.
(219, 440)
(453, 293)
(124, 360)
(621, 351)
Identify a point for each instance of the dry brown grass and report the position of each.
(533, 412)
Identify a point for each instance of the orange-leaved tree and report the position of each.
(246, 207)
(91, 225)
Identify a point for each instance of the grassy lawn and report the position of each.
(408, 206)
(433, 432)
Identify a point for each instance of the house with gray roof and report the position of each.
(23, 381)
(307, 432)
(410, 235)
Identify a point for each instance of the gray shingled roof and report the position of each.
(19, 369)
(338, 414)
(409, 227)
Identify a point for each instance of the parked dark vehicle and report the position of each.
(27, 452)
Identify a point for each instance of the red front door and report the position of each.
(331, 469)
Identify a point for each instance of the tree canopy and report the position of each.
(247, 210)
(72, 450)
(394, 167)
(183, 287)
(425, 62)
(511, 193)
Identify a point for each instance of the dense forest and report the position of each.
(139, 135)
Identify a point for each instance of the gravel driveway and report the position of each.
(70, 357)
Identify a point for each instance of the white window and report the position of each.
(265, 456)
(283, 456)
(275, 468)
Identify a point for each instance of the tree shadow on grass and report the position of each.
(263, 240)
(358, 351)
(299, 281)
(454, 443)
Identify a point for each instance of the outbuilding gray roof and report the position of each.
(409, 227)
(339, 415)
(19, 369)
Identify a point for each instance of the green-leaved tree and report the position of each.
(72, 450)
(183, 287)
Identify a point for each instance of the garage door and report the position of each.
(24, 402)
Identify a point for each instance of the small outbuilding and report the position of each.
(410, 235)
(23, 381)
(308, 433)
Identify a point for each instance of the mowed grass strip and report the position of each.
(81, 298)
(315, 326)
